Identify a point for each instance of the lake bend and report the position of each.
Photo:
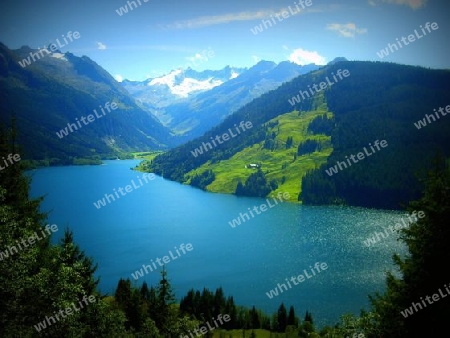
(316, 258)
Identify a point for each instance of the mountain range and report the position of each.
(52, 91)
(190, 102)
(294, 143)
(303, 124)
(60, 88)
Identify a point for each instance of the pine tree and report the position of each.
(219, 302)
(165, 316)
(291, 317)
(254, 319)
(39, 279)
(422, 270)
(230, 309)
(282, 318)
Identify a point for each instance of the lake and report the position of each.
(156, 216)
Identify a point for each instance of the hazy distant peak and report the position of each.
(338, 59)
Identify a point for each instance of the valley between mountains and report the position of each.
(292, 142)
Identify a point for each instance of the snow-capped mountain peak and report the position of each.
(182, 86)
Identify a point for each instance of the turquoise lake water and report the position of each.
(248, 261)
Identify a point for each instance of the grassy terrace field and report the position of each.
(148, 155)
(280, 164)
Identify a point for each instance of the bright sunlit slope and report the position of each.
(277, 158)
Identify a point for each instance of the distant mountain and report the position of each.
(296, 145)
(338, 59)
(58, 89)
(177, 86)
(196, 114)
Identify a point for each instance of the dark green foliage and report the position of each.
(289, 142)
(165, 299)
(377, 101)
(273, 184)
(381, 101)
(230, 308)
(203, 180)
(45, 101)
(256, 185)
(219, 302)
(207, 305)
(308, 147)
(316, 189)
(423, 271)
(43, 279)
(282, 318)
(254, 319)
(152, 310)
(12, 178)
(321, 125)
(292, 320)
(308, 317)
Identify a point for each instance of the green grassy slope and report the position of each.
(280, 163)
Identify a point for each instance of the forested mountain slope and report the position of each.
(376, 101)
(58, 89)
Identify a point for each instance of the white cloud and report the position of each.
(59, 56)
(348, 30)
(118, 78)
(231, 17)
(414, 4)
(101, 46)
(304, 57)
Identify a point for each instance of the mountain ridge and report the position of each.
(194, 116)
(52, 92)
(378, 100)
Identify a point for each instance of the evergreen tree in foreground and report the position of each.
(37, 279)
(424, 270)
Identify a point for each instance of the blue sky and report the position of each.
(159, 36)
